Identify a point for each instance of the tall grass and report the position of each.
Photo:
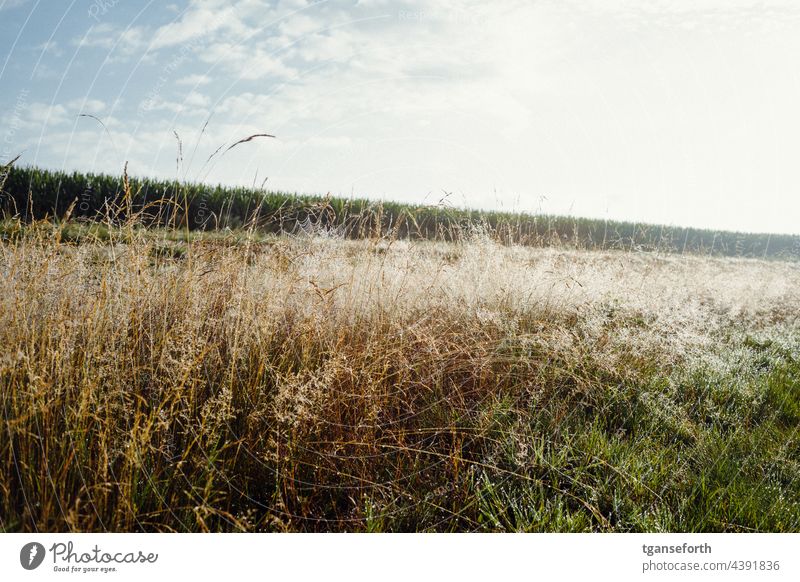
(33, 194)
(278, 383)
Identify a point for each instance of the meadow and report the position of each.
(360, 377)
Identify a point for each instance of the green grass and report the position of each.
(164, 379)
(34, 193)
(166, 401)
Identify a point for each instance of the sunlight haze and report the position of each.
(675, 112)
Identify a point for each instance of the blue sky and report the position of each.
(670, 111)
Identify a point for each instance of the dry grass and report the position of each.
(322, 384)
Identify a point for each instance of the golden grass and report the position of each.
(323, 384)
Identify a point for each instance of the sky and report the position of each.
(680, 112)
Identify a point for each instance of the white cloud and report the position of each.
(50, 47)
(193, 105)
(246, 62)
(9, 4)
(102, 35)
(202, 20)
(90, 106)
(197, 100)
(194, 80)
